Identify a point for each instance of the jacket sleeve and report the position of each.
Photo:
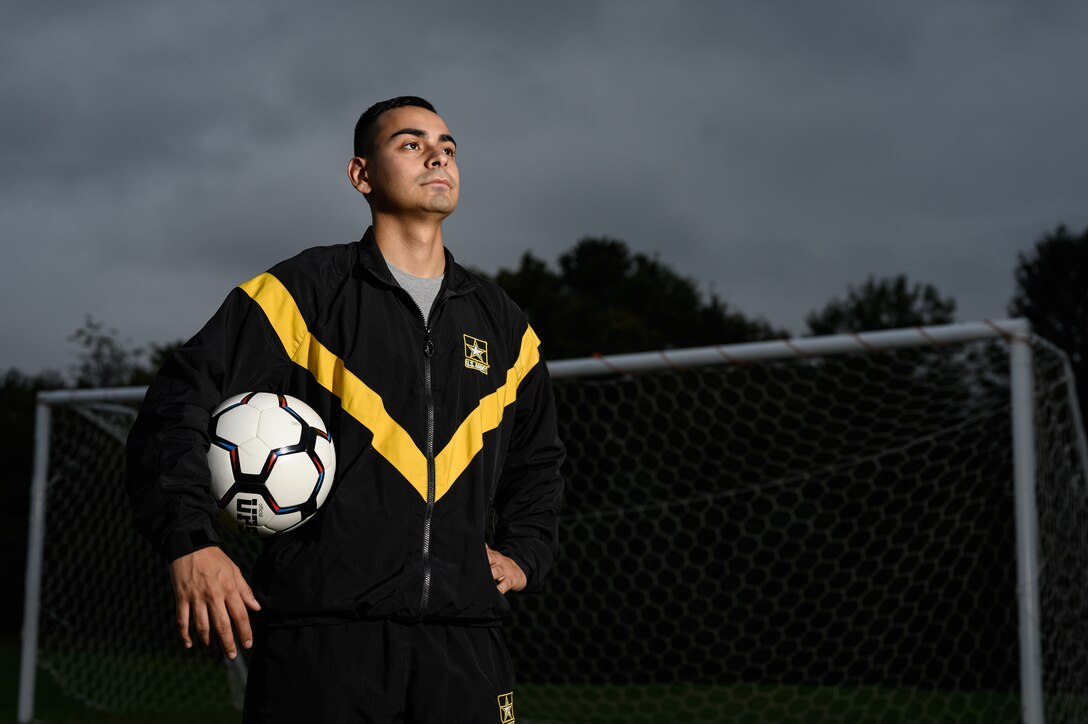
(530, 490)
(166, 475)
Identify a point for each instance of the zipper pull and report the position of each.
(428, 344)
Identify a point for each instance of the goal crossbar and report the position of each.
(823, 346)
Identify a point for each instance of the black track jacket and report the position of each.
(430, 434)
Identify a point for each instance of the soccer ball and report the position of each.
(272, 462)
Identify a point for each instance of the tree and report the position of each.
(887, 303)
(606, 299)
(1052, 293)
(103, 360)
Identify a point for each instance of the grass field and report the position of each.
(653, 704)
(54, 706)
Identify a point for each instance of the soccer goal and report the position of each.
(886, 526)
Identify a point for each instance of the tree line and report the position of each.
(603, 298)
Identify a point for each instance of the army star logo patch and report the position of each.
(476, 355)
(506, 708)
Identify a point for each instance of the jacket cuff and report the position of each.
(183, 542)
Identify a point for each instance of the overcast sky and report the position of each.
(155, 154)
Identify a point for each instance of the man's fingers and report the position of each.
(224, 630)
(246, 592)
(506, 573)
(183, 623)
(212, 592)
(240, 614)
(501, 576)
(200, 621)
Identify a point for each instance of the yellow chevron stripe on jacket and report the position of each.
(391, 441)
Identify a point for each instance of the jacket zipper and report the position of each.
(428, 351)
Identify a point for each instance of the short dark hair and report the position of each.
(364, 128)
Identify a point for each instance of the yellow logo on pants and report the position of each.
(506, 708)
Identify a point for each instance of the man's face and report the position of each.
(411, 165)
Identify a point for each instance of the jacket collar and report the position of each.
(457, 279)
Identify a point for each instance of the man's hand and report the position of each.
(507, 574)
(211, 589)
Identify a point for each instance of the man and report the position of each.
(387, 606)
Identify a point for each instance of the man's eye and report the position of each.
(449, 151)
(412, 145)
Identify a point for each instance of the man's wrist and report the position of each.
(183, 542)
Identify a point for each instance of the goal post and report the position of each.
(28, 669)
(1027, 536)
(822, 529)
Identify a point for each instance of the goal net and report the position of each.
(815, 530)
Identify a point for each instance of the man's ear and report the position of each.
(357, 174)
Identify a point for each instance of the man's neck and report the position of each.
(411, 246)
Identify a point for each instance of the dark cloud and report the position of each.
(155, 154)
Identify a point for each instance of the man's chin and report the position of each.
(442, 206)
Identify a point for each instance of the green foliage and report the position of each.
(103, 359)
(606, 299)
(887, 303)
(1052, 293)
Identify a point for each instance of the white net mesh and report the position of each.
(1062, 474)
(816, 540)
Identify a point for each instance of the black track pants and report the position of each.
(380, 672)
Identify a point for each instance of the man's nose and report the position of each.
(439, 159)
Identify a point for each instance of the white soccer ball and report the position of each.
(272, 462)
